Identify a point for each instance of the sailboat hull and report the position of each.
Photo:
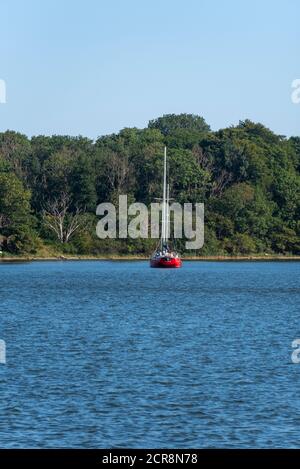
(166, 262)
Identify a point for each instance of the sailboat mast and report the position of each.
(167, 213)
(164, 211)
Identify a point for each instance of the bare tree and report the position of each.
(118, 171)
(221, 182)
(60, 220)
(4, 221)
(202, 158)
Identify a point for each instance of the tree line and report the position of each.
(246, 175)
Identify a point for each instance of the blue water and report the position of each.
(115, 354)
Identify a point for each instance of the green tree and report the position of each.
(170, 123)
(16, 221)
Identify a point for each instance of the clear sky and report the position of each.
(93, 67)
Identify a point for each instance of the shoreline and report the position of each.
(249, 258)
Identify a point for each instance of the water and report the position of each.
(115, 354)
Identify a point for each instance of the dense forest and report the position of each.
(247, 176)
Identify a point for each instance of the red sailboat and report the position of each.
(164, 256)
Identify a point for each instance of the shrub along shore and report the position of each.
(264, 258)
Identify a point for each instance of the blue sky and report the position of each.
(93, 67)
